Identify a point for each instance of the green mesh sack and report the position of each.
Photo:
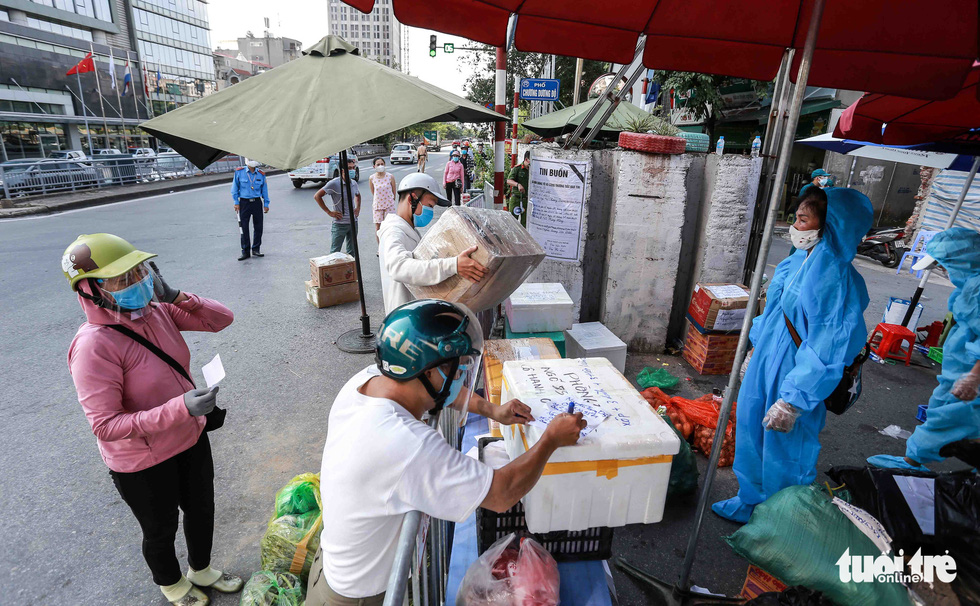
(272, 589)
(300, 495)
(649, 377)
(798, 535)
(684, 468)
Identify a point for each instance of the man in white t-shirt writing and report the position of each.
(380, 461)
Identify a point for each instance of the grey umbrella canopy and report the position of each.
(564, 121)
(300, 112)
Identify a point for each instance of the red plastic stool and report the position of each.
(892, 338)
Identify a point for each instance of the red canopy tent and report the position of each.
(892, 120)
(915, 48)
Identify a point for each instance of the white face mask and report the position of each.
(380, 168)
(804, 240)
(823, 181)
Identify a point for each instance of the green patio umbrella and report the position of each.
(304, 110)
(564, 121)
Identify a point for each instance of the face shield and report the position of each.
(128, 295)
(453, 382)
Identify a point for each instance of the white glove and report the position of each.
(781, 417)
(966, 387)
(745, 365)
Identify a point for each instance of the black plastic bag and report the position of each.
(956, 517)
(793, 596)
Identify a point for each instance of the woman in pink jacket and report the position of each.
(452, 178)
(130, 366)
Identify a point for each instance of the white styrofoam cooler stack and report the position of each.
(616, 475)
(594, 340)
(539, 307)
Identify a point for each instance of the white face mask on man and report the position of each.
(804, 240)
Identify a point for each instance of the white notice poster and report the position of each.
(556, 197)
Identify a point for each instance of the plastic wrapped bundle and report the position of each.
(272, 589)
(505, 248)
(513, 572)
(292, 539)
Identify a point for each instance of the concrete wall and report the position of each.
(648, 220)
(890, 186)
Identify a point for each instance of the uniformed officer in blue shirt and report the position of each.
(250, 192)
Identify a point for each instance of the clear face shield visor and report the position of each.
(130, 292)
(461, 376)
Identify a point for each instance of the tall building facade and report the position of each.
(377, 34)
(269, 50)
(44, 110)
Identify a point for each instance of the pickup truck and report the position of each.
(322, 171)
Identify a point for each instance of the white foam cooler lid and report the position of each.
(632, 431)
(540, 294)
(595, 336)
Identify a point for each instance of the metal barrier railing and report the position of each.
(421, 567)
(22, 179)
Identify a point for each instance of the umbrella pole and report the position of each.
(743, 341)
(355, 341)
(500, 128)
(949, 223)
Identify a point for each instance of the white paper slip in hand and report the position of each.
(213, 371)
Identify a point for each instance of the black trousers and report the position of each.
(453, 193)
(250, 208)
(186, 482)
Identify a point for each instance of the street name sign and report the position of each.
(539, 89)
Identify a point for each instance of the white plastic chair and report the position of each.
(917, 251)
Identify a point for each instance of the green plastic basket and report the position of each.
(936, 353)
(696, 142)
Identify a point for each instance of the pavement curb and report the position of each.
(55, 204)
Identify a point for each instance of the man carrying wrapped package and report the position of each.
(380, 461)
(398, 237)
(954, 408)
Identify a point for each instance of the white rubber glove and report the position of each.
(745, 365)
(781, 417)
(966, 387)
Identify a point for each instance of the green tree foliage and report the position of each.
(700, 94)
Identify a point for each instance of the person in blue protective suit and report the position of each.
(780, 404)
(954, 409)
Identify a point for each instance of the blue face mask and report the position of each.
(457, 384)
(352, 174)
(136, 296)
(455, 158)
(425, 218)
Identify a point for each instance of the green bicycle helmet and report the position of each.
(424, 334)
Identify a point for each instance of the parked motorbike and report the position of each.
(883, 244)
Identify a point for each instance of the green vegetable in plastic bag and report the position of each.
(684, 468)
(272, 589)
(299, 496)
(291, 541)
(798, 535)
(649, 377)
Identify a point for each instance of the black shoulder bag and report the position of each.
(848, 390)
(214, 419)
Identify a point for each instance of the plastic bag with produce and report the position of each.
(513, 572)
(272, 589)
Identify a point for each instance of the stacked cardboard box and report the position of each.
(715, 318)
(333, 280)
(505, 248)
(498, 351)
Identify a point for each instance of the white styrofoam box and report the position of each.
(616, 475)
(539, 307)
(896, 309)
(594, 340)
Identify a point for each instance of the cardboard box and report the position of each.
(505, 248)
(895, 312)
(719, 307)
(498, 351)
(709, 353)
(539, 307)
(335, 268)
(614, 476)
(758, 582)
(326, 296)
(557, 337)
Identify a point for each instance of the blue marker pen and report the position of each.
(571, 407)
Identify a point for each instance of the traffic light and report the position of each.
(432, 45)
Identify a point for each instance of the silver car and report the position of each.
(28, 177)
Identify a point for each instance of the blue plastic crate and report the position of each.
(921, 414)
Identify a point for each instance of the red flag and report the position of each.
(85, 65)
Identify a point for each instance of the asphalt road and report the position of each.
(69, 539)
